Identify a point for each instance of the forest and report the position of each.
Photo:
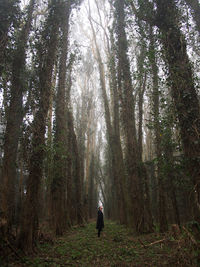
(100, 105)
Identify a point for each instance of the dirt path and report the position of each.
(115, 248)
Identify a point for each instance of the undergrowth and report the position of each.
(117, 247)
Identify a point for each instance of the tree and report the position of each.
(195, 9)
(14, 120)
(115, 147)
(29, 218)
(128, 115)
(142, 80)
(157, 128)
(58, 186)
(9, 12)
(76, 170)
(85, 116)
(116, 135)
(183, 92)
(168, 160)
(181, 82)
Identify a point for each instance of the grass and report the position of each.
(117, 247)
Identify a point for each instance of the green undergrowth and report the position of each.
(117, 247)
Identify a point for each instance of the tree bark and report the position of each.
(144, 184)
(83, 135)
(49, 167)
(59, 183)
(111, 143)
(183, 93)
(170, 174)
(117, 148)
(14, 122)
(157, 128)
(128, 116)
(76, 169)
(195, 10)
(8, 10)
(29, 219)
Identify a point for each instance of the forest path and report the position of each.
(117, 247)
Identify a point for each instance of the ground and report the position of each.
(117, 247)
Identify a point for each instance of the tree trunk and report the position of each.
(183, 93)
(91, 203)
(128, 115)
(117, 148)
(148, 219)
(14, 122)
(8, 10)
(157, 128)
(58, 187)
(29, 219)
(169, 161)
(195, 10)
(87, 163)
(109, 128)
(76, 169)
(49, 167)
(83, 134)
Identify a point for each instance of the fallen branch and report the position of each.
(153, 243)
(157, 242)
(142, 243)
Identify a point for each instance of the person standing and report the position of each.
(100, 221)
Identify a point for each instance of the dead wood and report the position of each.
(142, 243)
(156, 242)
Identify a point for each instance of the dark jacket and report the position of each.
(100, 222)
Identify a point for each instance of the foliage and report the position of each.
(117, 246)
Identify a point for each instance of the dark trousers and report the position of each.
(99, 231)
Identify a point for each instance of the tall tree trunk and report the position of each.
(128, 115)
(49, 171)
(109, 129)
(71, 207)
(142, 172)
(90, 148)
(183, 92)
(168, 151)
(74, 155)
(8, 11)
(14, 122)
(29, 219)
(69, 203)
(117, 148)
(88, 162)
(157, 128)
(148, 219)
(58, 187)
(140, 115)
(195, 9)
(83, 153)
(76, 169)
(83, 134)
